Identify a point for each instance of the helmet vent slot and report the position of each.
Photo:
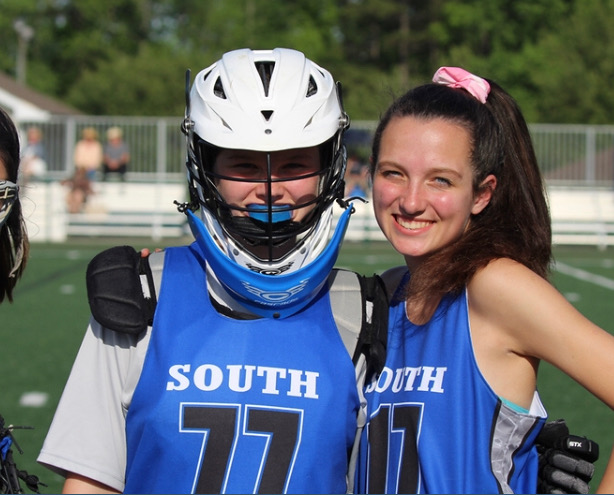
(267, 114)
(218, 89)
(265, 71)
(312, 88)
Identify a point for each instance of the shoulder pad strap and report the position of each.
(360, 308)
(115, 292)
(374, 331)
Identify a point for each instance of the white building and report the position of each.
(25, 104)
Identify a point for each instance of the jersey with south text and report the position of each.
(238, 406)
(434, 423)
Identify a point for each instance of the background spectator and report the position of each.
(33, 161)
(116, 154)
(80, 188)
(356, 178)
(88, 152)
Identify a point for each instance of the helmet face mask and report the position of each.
(267, 211)
(272, 224)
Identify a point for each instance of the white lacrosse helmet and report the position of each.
(265, 101)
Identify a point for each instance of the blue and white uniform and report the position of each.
(274, 401)
(434, 423)
(224, 406)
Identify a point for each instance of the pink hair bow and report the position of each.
(455, 77)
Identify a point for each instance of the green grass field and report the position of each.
(41, 332)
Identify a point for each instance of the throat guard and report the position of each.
(271, 296)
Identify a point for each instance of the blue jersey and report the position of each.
(434, 423)
(239, 406)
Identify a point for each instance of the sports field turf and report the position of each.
(41, 331)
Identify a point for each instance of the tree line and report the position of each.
(129, 57)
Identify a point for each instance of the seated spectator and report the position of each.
(88, 152)
(116, 154)
(33, 157)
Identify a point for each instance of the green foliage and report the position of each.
(151, 82)
(576, 69)
(367, 92)
(127, 56)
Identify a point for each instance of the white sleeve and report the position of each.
(87, 435)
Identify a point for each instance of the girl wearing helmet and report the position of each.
(243, 382)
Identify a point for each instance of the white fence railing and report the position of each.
(567, 154)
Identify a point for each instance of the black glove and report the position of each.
(565, 461)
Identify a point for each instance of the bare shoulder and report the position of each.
(506, 278)
(512, 297)
(523, 306)
(504, 267)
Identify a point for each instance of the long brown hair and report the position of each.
(516, 222)
(14, 246)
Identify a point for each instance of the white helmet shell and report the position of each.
(232, 106)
